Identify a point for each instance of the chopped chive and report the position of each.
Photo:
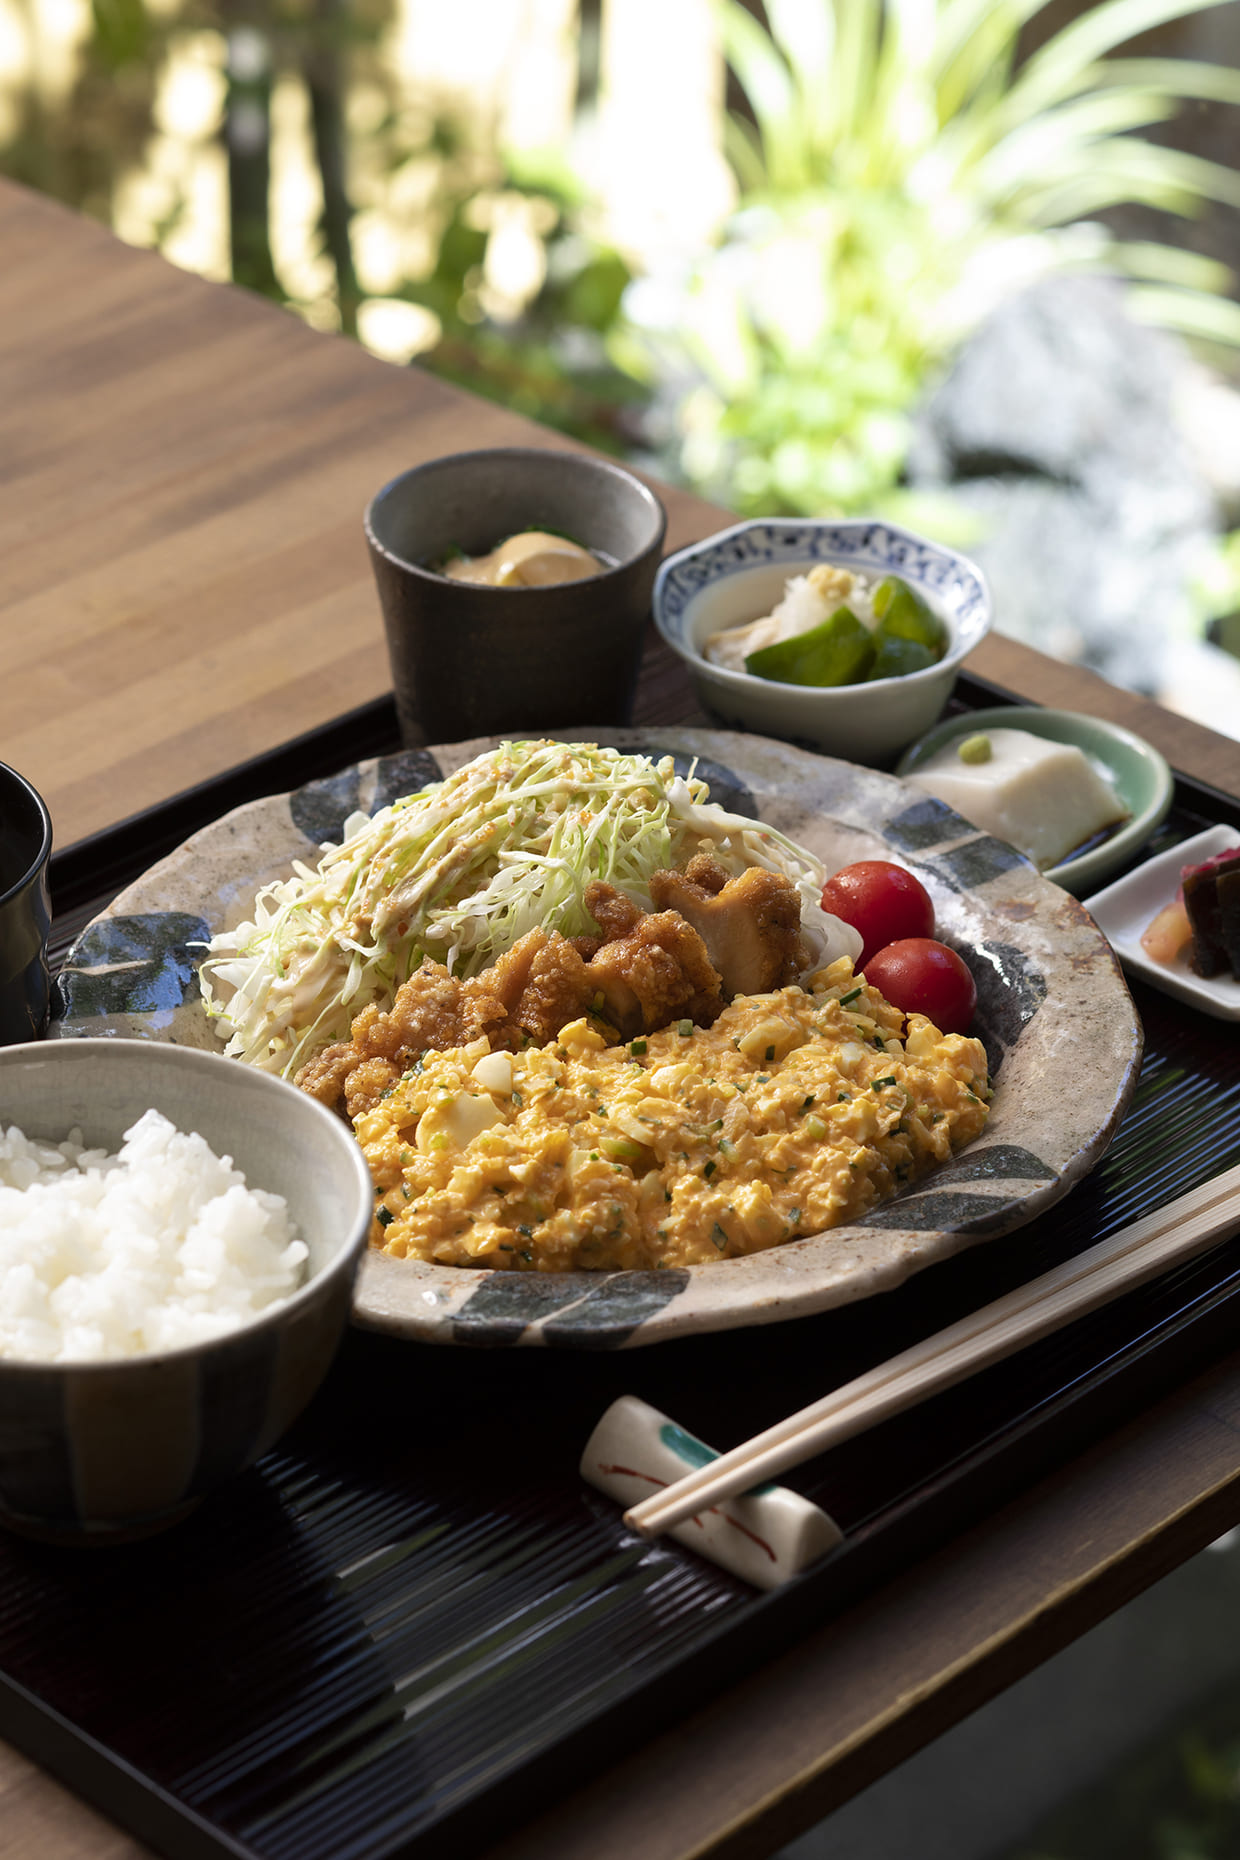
(890, 1080)
(684, 1028)
(709, 1170)
(805, 1103)
(384, 1216)
(851, 996)
(637, 1047)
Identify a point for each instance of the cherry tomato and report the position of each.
(920, 976)
(882, 901)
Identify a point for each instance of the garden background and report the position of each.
(967, 263)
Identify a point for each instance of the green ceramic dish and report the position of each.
(1133, 767)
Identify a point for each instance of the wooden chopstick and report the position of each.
(1140, 1251)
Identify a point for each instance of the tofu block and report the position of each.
(1044, 798)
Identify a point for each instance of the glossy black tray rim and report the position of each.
(1141, 1353)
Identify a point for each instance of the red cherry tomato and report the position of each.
(920, 976)
(882, 901)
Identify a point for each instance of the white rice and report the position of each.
(160, 1246)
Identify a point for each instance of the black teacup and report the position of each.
(469, 660)
(25, 909)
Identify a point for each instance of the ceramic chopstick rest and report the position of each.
(766, 1536)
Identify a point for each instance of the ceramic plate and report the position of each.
(1059, 1025)
(1135, 769)
(1127, 907)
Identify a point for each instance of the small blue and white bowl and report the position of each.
(740, 574)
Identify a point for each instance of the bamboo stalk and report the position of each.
(1138, 1252)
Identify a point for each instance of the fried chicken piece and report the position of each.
(431, 1009)
(707, 872)
(367, 1083)
(542, 984)
(751, 925)
(711, 933)
(655, 974)
(614, 914)
(324, 1077)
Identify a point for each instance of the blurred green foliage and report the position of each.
(901, 170)
(1178, 1799)
(551, 362)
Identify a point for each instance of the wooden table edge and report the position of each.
(1079, 1544)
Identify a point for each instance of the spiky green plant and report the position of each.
(902, 174)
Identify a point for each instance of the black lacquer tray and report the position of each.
(410, 1623)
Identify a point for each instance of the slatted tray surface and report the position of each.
(411, 1624)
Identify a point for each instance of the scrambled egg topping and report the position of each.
(797, 1111)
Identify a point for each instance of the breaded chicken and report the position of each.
(711, 935)
(542, 983)
(658, 973)
(539, 985)
(750, 925)
(613, 912)
(432, 1010)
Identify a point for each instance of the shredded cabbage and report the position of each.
(460, 872)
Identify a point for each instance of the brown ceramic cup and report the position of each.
(469, 660)
(25, 914)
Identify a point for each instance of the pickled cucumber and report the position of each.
(838, 651)
(893, 657)
(902, 614)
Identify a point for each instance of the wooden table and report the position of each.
(183, 585)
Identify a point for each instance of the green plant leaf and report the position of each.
(1185, 77)
(742, 146)
(122, 31)
(1129, 168)
(1192, 313)
(1056, 137)
(806, 36)
(767, 83)
(975, 48)
(858, 24)
(1090, 37)
(1171, 264)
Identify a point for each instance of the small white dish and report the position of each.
(1126, 908)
